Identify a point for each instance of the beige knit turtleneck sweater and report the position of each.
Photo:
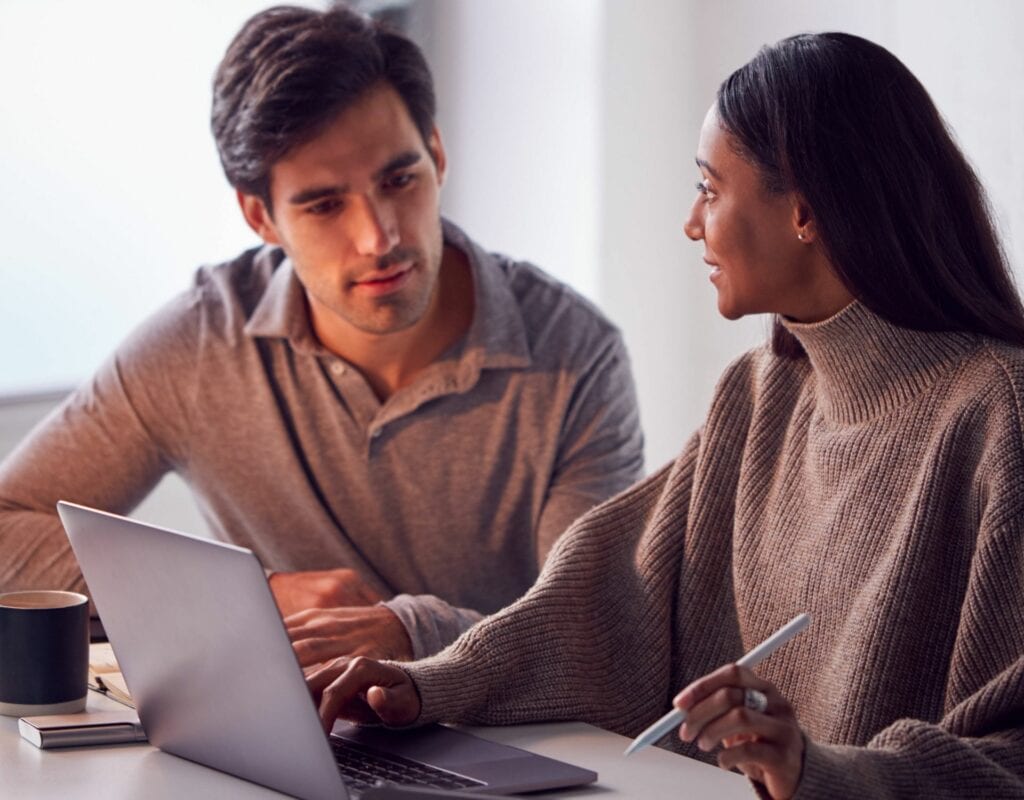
(877, 484)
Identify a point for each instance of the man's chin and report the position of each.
(386, 321)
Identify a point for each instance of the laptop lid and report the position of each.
(213, 674)
(204, 650)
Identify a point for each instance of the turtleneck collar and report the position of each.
(865, 366)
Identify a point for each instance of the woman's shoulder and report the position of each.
(992, 375)
(1005, 360)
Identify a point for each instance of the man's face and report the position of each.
(356, 210)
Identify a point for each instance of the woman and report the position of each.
(866, 467)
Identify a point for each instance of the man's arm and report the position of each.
(91, 450)
(600, 453)
(99, 448)
(601, 450)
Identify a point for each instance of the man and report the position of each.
(377, 407)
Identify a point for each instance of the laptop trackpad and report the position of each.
(512, 769)
(432, 744)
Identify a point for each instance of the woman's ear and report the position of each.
(803, 220)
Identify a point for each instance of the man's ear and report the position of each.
(803, 220)
(437, 154)
(257, 216)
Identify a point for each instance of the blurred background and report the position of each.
(570, 126)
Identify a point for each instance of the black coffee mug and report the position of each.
(44, 652)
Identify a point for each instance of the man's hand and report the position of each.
(329, 588)
(365, 691)
(320, 635)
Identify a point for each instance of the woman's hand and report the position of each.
(765, 745)
(362, 690)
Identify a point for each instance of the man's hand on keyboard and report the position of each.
(362, 690)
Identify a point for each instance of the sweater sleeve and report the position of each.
(591, 640)
(977, 748)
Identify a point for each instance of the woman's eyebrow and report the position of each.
(705, 165)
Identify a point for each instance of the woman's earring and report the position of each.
(800, 236)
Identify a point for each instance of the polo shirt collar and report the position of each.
(282, 311)
(497, 335)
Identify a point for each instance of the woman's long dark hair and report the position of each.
(903, 218)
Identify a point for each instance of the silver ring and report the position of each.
(755, 700)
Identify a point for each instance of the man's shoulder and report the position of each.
(237, 284)
(551, 310)
(215, 306)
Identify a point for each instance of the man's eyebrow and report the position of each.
(705, 165)
(317, 193)
(401, 161)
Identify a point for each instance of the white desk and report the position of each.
(142, 771)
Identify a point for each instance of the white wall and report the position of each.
(658, 64)
(518, 105)
(111, 193)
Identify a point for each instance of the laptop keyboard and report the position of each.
(364, 768)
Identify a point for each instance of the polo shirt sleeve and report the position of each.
(432, 624)
(106, 445)
(601, 448)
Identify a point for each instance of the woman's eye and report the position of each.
(704, 189)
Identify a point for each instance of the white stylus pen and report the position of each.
(675, 717)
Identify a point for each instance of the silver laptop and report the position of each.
(211, 669)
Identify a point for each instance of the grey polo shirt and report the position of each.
(448, 494)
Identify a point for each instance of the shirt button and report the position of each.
(338, 368)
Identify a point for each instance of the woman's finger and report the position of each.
(725, 676)
(745, 722)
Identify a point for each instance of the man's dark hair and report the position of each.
(902, 216)
(291, 70)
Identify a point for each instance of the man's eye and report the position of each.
(324, 207)
(399, 181)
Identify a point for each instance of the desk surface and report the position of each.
(133, 771)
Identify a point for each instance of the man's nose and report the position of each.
(375, 228)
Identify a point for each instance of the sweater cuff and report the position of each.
(845, 771)
(449, 691)
(824, 772)
(432, 624)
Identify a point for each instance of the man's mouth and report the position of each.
(385, 281)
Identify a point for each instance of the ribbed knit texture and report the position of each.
(877, 484)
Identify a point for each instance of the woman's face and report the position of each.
(752, 240)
